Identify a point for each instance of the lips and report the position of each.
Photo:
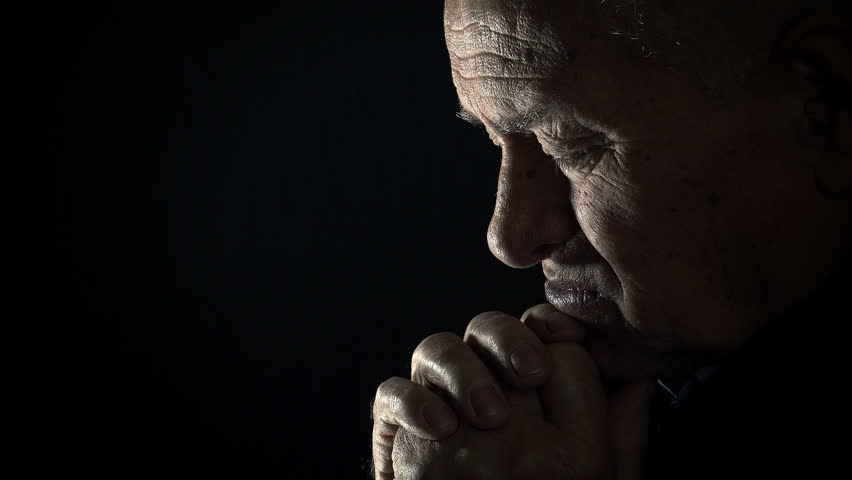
(586, 305)
(571, 295)
(607, 340)
(621, 353)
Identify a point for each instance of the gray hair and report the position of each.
(727, 44)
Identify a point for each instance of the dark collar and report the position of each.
(808, 337)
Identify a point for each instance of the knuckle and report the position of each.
(388, 390)
(536, 312)
(397, 398)
(386, 387)
(434, 347)
(487, 323)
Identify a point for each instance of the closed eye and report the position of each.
(582, 159)
(576, 153)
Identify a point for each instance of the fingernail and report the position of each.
(486, 402)
(439, 418)
(525, 360)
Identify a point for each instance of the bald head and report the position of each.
(640, 162)
(724, 44)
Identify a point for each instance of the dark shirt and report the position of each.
(776, 409)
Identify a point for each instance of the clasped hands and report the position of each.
(513, 399)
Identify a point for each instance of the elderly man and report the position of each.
(681, 172)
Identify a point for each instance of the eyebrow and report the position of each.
(469, 117)
(519, 125)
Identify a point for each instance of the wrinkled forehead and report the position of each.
(508, 52)
(506, 32)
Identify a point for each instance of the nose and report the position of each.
(533, 214)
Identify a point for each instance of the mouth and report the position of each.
(618, 353)
(584, 304)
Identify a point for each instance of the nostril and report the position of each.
(543, 251)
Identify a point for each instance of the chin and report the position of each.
(620, 362)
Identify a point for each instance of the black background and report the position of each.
(228, 225)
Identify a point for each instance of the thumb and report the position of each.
(628, 407)
(575, 403)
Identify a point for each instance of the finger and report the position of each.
(551, 325)
(574, 401)
(402, 403)
(510, 348)
(524, 402)
(443, 361)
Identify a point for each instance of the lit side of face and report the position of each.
(696, 217)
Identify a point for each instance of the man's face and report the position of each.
(622, 177)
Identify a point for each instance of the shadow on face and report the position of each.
(674, 192)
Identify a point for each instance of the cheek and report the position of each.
(652, 229)
(634, 223)
(611, 222)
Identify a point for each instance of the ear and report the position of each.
(818, 56)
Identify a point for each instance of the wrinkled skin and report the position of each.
(697, 217)
(551, 418)
(690, 214)
(530, 444)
